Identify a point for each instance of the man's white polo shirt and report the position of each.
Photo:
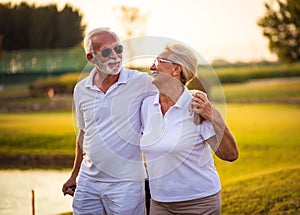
(179, 161)
(112, 126)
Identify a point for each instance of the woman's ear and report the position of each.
(178, 69)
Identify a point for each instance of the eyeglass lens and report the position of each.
(161, 60)
(107, 51)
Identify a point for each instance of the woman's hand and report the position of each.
(201, 105)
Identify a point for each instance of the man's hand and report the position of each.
(69, 187)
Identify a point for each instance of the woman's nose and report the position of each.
(153, 67)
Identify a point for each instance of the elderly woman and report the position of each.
(176, 145)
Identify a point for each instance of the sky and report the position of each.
(217, 29)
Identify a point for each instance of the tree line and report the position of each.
(27, 26)
(281, 25)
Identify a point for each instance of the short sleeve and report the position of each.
(79, 115)
(206, 130)
(145, 82)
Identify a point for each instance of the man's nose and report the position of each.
(114, 54)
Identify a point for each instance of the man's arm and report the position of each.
(223, 143)
(76, 166)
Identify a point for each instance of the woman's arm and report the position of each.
(223, 143)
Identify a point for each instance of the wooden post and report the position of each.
(32, 202)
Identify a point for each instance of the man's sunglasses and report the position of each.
(107, 51)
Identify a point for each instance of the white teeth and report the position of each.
(155, 73)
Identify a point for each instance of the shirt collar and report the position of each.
(123, 78)
(183, 99)
(89, 83)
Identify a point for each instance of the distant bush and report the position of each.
(61, 85)
(246, 73)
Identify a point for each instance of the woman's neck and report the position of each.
(168, 100)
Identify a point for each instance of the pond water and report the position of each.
(16, 190)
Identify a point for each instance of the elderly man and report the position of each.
(108, 165)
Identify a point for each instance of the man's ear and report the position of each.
(89, 57)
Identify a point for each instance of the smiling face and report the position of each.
(107, 54)
(163, 69)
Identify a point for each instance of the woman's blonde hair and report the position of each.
(186, 58)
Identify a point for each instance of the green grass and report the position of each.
(264, 180)
(37, 133)
(268, 138)
(273, 193)
(285, 90)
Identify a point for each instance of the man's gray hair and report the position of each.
(88, 46)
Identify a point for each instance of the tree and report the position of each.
(133, 22)
(281, 25)
(72, 34)
(42, 27)
(26, 26)
(14, 24)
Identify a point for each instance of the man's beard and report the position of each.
(104, 67)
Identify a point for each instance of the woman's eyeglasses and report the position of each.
(162, 60)
(107, 51)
